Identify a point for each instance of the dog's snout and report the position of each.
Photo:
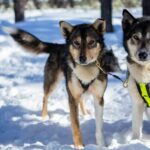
(82, 59)
(143, 56)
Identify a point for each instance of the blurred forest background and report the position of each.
(106, 7)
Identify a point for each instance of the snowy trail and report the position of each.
(21, 82)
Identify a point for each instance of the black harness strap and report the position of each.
(85, 86)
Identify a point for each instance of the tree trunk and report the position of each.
(146, 7)
(106, 13)
(71, 3)
(19, 8)
(37, 3)
(52, 3)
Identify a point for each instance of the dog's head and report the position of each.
(85, 41)
(136, 34)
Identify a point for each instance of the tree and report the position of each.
(71, 3)
(19, 8)
(146, 7)
(37, 3)
(106, 13)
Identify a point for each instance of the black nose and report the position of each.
(82, 59)
(143, 56)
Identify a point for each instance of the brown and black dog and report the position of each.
(76, 60)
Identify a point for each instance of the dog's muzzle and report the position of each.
(82, 59)
(143, 55)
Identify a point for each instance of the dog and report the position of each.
(136, 40)
(75, 60)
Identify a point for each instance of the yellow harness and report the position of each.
(144, 93)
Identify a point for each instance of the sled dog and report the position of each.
(75, 60)
(136, 40)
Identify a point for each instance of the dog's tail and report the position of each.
(30, 43)
(147, 111)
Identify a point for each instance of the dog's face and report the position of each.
(137, 37)
(85, 41)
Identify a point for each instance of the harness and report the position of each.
(86, 86)
(125, 83)
(144, 92)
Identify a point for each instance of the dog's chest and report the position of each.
(140, 74)
(86, 74)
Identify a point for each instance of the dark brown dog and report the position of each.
(76, 60)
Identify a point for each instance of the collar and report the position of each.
(144, 92)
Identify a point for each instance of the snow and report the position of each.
(21, 82)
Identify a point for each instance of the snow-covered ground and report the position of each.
(21, 82)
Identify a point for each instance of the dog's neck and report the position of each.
(85, 73)
(141, 73)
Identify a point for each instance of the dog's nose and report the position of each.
(143, 56)
(82, 59)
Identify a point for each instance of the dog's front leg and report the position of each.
(137, 109)
(137, 119)
(75, 123)
(74, 98)
(98, 88)
(98, 104)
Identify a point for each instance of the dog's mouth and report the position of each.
(87, 62)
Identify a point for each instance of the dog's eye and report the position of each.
(136, 37)
(76, 43)
(92, 43)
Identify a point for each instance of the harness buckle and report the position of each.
(125, 83)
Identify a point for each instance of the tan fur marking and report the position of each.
(86, 73)
(41, 46)
(74, 52)
(47, 91)
(75, 124)
(78, 38)
(75, 88)
(92, 54)
(27, 37)
(132, 47)
(75, 91)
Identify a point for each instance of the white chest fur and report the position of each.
(86, 73)
(140, 73)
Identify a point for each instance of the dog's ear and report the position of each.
(65, 28)
(100, 25)
(127, 20)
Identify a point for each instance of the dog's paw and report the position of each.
(100, 141)
(101, 144)
(136, 137)
(78, 146)
(45, 117)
